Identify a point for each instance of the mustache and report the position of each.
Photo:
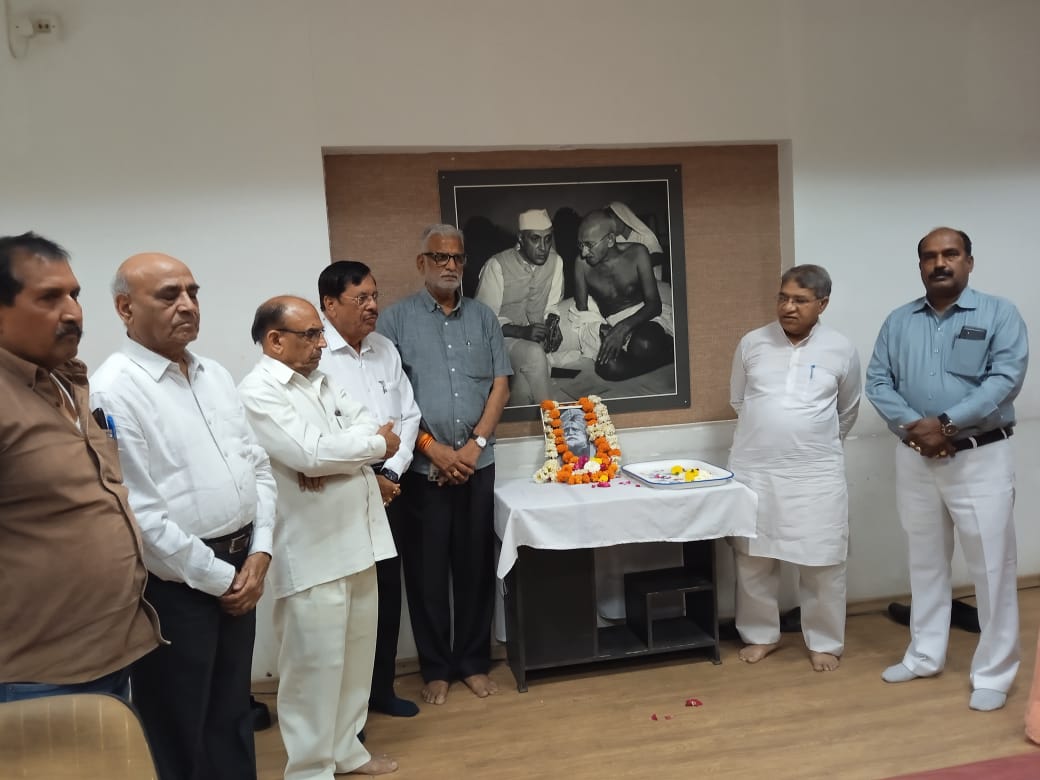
(69, 329)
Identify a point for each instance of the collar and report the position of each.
(968, 299)
(336, 343)
(286, 375)
(779, 330)
(154, 364)
(74, 371)
(431, 303)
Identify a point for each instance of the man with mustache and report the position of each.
(73, 613)
(368, 366)
(201, 487)
(519, 285)
(795, 386)
(455, 358)
(945, 372)
(330, 533)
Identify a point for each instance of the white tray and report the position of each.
(658, 473)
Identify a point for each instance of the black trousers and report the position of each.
(193, 694)
(448, 544)
(388, 629)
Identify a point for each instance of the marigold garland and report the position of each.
(575, 470)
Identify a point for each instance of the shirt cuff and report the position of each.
(263, 540)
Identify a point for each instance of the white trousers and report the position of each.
(821, 595)
(328, 644)
(974, 493)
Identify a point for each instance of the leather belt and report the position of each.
(231, 543)
(982, 439)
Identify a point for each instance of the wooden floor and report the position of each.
(777, 719)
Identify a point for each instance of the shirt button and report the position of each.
(456, 395)
(449, 346)
(453, 369)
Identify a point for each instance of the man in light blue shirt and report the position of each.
(945, 372)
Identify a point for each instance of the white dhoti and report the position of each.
(328, 643)
(581, 337)
(974, 494)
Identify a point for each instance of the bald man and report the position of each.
(331, 530)
(201, 487)
(622, 316)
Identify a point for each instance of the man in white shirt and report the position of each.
(368, 366)
(201, 488)
(327, 539)
(796, 388)
(520, 285)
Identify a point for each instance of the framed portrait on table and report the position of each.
(585, 269)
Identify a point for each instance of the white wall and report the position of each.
(196, 128)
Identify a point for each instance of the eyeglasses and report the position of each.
(362, 300)
(588, 246)
(441, 259)
(798, 300)
(312, 335)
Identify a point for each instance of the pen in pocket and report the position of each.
(812, 370)
(111, 425)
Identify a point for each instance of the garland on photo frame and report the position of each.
(562, 465)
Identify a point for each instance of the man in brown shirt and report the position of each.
(71, 573)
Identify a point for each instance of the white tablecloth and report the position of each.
(572, 517)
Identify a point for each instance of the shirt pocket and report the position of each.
(476, 362)
(968, 357)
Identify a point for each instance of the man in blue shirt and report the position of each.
(945, 371)
(454, 355)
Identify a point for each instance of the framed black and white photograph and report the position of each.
(585, 269)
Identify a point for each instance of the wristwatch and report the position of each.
(390, 474)
(480, 440)
(949, 430)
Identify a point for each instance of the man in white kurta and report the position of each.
(796, 389)
(520, 285)
(331, 529)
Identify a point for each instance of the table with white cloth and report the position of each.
(548, 535)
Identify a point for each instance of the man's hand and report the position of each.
(926, 437)
(393, 441)
(536, 332)
(455, 466)
(612, 342)
(312, 484)
(387, 489)
(248, 585)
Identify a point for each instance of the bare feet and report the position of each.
(435, 692)
(481, 685)
(823, 662)
(383, 765)
(752, 654)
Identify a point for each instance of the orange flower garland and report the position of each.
(564, 466)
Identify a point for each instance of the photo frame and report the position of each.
(645, 206)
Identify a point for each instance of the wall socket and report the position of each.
(45, 24)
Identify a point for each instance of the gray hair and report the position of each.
(811, 277)
(120, 284)
(441, 229)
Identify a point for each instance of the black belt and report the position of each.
(982, 439)
(231, 543)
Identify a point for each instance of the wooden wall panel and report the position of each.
(379, 204)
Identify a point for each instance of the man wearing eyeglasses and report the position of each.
(328, 539)
(795, 386)
(453, 352)
(622, 316)
(201, 488)
(519, 285)
(368, 366)
(944, 375)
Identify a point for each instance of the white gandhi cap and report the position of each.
(535, 219)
